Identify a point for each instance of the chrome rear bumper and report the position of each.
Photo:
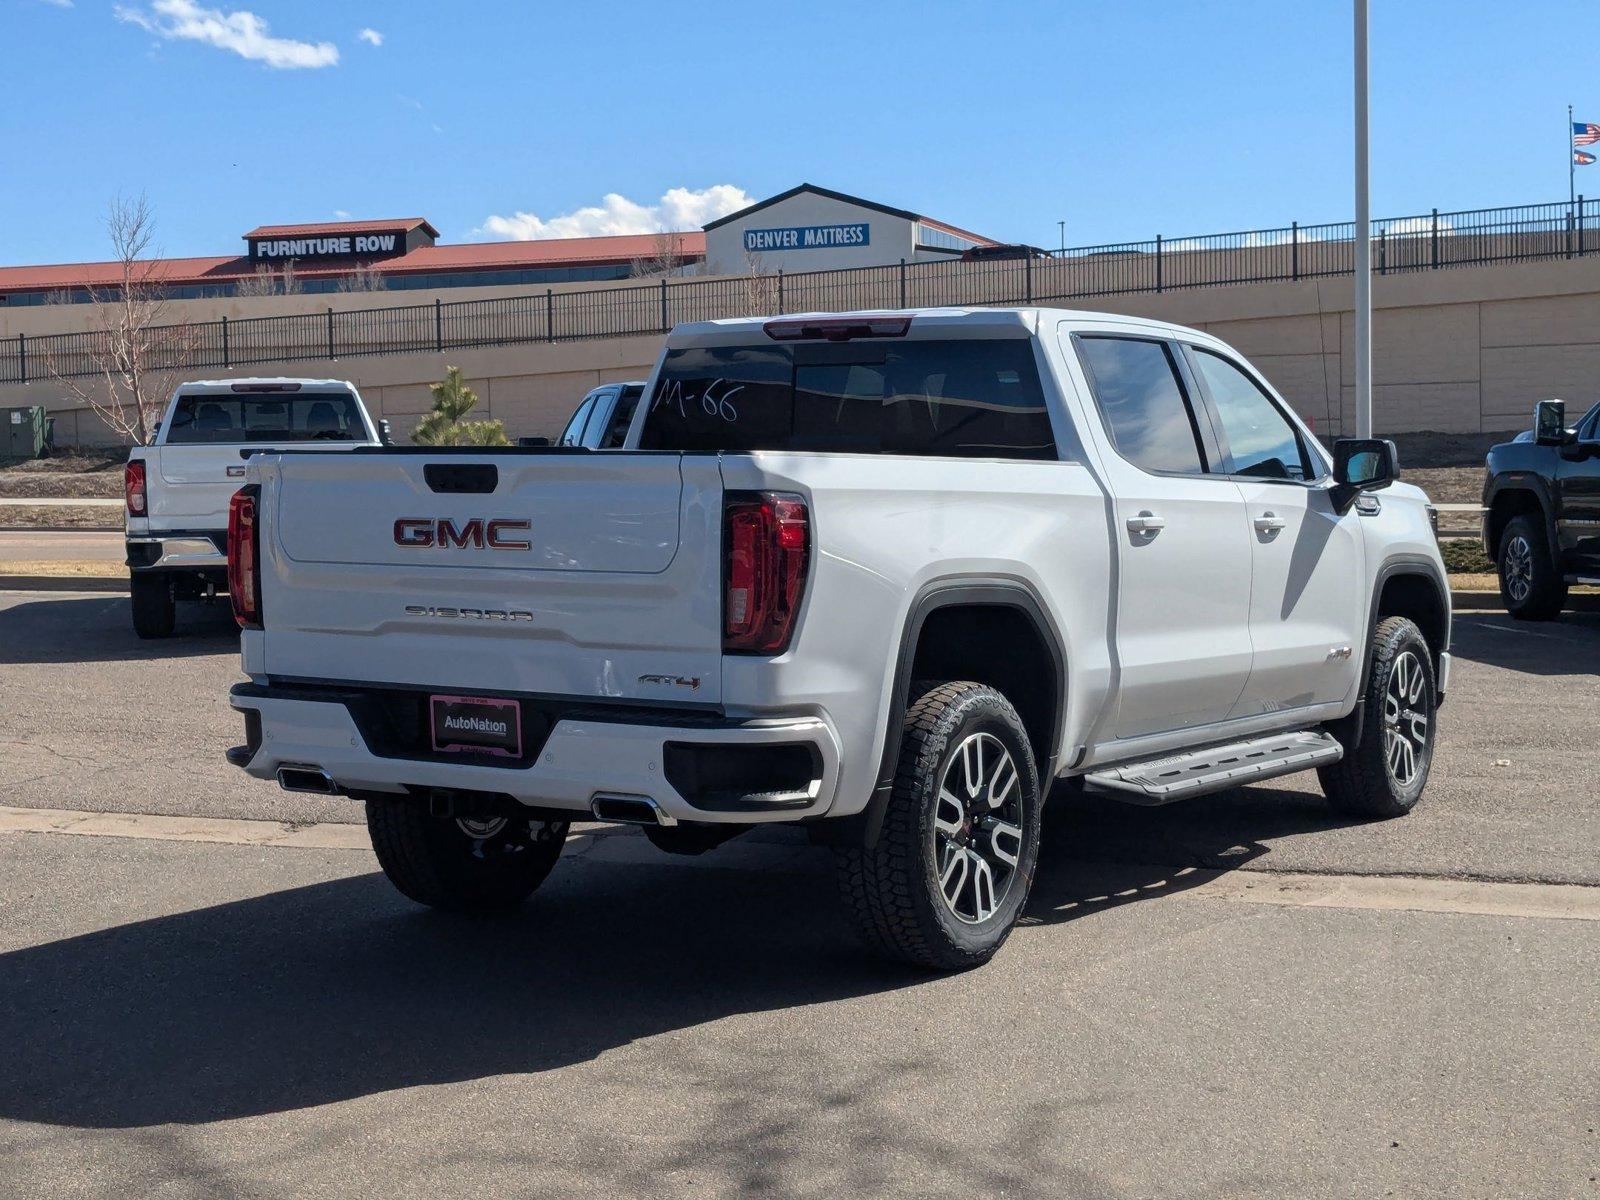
(183, 550)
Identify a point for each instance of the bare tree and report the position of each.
(136, 356)
(667, 255)
(759, 285)
(291, 281)
(262, 283)
(365, 278)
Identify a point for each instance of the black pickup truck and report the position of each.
(1541, 511)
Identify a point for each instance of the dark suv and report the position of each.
(1541, 520)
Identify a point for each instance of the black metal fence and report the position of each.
(1418, 243)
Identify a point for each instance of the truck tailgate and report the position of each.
(594, 576)
(192, 484)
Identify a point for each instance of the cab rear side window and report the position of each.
(622, 418)
(572, 435)
(1141, 399)
(933, 398)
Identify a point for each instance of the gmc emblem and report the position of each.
(423, 532)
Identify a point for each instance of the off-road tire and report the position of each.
(155, 613)
(1363, 783)
(892, 888)
(434, 861)
(1547, 590)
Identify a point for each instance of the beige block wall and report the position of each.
(1468, 349)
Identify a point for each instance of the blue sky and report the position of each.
(1125, 119)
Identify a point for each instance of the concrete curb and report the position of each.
(1491, 602)
(612, 846)
(111, 529)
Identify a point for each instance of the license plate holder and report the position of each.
(475, 725)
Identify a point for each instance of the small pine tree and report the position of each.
(444, 426)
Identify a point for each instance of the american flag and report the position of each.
(1585, 135)
(1581, 158)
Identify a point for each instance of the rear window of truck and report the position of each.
(968, 399)
(303, 417)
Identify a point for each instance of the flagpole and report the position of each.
(1363, 237)
(1572, 162)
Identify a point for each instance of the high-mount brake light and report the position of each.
(836, 329)
(766, 553)
(133, 489)
(244, 557)
(266, 387)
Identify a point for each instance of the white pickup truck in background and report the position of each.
(887, 576)
(176, 490)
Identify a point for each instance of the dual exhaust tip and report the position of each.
(308, 779)
(630, 810)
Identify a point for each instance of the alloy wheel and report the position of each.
(978, 833)
(1405, 718)
(1517, 569)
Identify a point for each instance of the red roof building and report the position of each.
(405, 250)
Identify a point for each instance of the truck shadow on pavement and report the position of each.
(1098, 853)
(1569, 645)
(84, 629)
(340, 989)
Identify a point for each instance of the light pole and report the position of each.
(1363, 237)
(1063, 226)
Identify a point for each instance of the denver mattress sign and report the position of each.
(808, 237)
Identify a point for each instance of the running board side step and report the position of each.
(1215, 768)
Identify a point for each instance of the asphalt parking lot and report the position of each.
(191, 1012)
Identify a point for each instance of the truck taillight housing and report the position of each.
(766, 553)
(133, 491)
(244, 557)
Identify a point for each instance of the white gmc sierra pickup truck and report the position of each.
(887, 575)
(176, 490)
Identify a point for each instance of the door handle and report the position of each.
(1146, 523)
(1269, 523)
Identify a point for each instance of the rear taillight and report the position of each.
(133, 493)
(244, 557)
(767, 548)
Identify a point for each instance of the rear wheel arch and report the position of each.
(989, 630)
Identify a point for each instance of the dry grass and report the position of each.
(45, 516)
(1447, 485)
(69, 568)
(64, 476)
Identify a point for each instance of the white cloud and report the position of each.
(341, 214)
(58, 3)
(680, 208)
(1411, 227)
(371, 36)
(241, 32)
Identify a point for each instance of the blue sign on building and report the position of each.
(807, 237)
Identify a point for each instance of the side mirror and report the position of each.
(533, 441)
(1362, 465)
(1550, 423)
(385, 434)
